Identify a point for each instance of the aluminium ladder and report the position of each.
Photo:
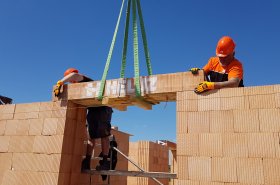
(141, 173)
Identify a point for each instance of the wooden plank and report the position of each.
(142, 103)
(162, 175)
(120, 107)
(119, 103)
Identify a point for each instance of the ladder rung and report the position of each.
(132, 173)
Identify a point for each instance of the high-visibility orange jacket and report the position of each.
(219, 73)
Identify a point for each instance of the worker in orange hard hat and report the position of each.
(224, 70)
(98, 122)
(70, 70)
(72, 75)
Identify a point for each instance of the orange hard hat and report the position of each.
(70, 70)
(225, 47)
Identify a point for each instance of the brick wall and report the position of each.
(149, 156)
(229, 136)
(31, 140)
(44, 143)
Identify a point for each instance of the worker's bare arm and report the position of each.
(233, 82)
(72, 77)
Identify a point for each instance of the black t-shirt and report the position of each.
(103, 114)
(86, 79)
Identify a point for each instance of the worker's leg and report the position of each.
(90, 146)
(103, 130)
(104, 164)
(87, 160)
(105, 145)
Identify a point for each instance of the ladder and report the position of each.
(132, 173)
(141, 173)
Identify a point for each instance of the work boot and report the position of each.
(104, 177)
(86, 163)
(105, 165)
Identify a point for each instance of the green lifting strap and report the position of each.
(135, 4)
(135, 48)
(124, 53)
(102, 85)
(144, 38)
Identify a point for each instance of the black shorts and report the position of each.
(99, 129)
(98, 124)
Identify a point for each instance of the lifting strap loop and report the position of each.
(144, 38)
(102, 85)
(136, 7)
(125, 39)
(135, 49)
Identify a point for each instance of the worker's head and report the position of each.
(70, 70)
(225, 50)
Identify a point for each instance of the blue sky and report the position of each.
(39, 40)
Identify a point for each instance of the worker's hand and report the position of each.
(57, 88)
(204, 86)
(194, 70)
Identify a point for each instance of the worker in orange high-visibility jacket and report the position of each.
(224, 70)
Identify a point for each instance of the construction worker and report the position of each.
(98, 122)
(224, 70)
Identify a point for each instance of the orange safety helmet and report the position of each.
(225, 47)
(70, 70)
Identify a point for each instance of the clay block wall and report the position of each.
(154, 84)
(119, 92)
(31, 144)
(149, 156)
(44, 143)
(229, 136)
